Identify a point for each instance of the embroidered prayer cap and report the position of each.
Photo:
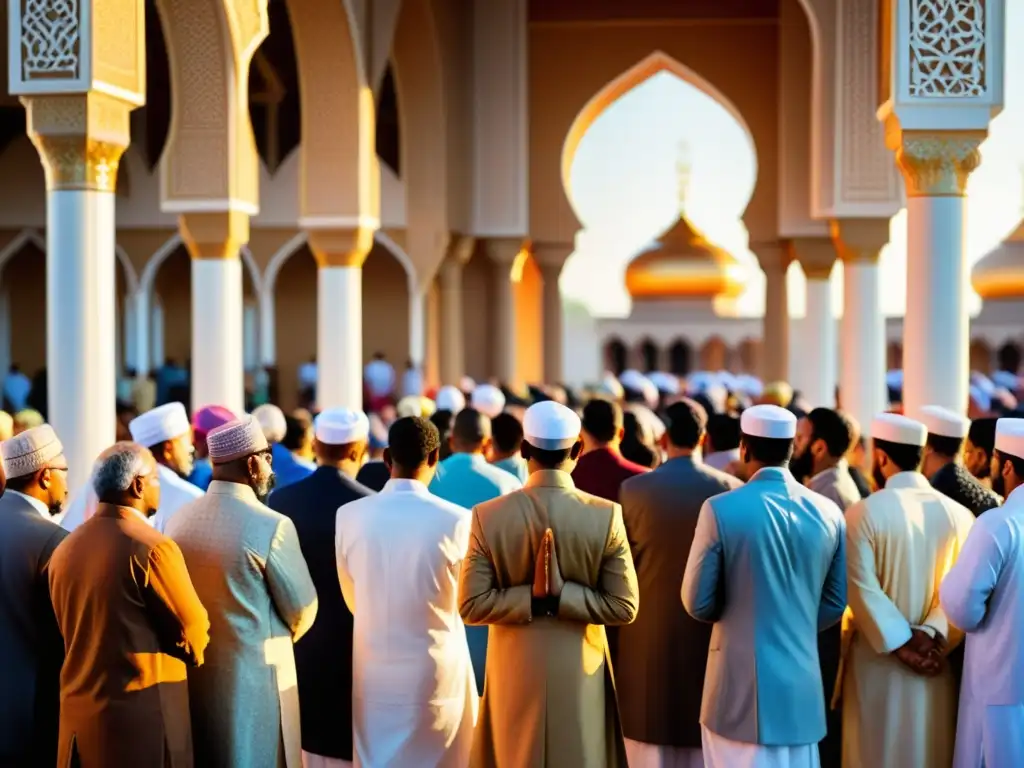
(769, 421)
(488, 399)
(210, 417)
(450, 398)
(165, 422)
(272, 422)
(551, 426)
(944, 422)
(665, 382)
(32, 450)
(1009, 437)
(896, 428)
(236, 440)
(341, 426)
(415, 405)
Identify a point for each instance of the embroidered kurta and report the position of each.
(901, 542)
(247, 567)
(983, 594)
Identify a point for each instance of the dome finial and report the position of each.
(683, 174)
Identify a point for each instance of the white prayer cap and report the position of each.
(341, 426)
(980, 397)
(610, 386)
(1009, 437)
(895, 428)
(769, 421)
(236, 440)
(466, 384)
(727, 380)
(271, 421)
(944, 422)
(450, 398)
(697, 382)
(665, 382)
(488, 399)
(551, 426)
(165, 422)
(415, 405)
(894, 379)
(633, 379)
(34, 449)
(749, 385)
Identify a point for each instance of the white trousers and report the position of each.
(309, 760)
(720, 752)
(639, 754)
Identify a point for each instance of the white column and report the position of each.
(936, 341)
(157, 330)
(339, 337)
(80, 325)
(862, 386)
(268, 328)
(217, 367)
(417, 327)
(818, 346)
(143, 331)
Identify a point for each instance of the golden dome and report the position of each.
(1000, 273)
(684, 265)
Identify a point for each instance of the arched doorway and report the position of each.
(714, 354)
(615, 356)
(749, 353)
(680, 357)
(649, 356)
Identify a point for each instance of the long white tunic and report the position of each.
(984, 596)
(414, 697)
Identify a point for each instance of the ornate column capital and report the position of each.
(80, 138)
(551, 256)
(218, 235)
(341, 247)
(859, 241)
(504, 250)
(937, 163)
(773, 254)
(817, 256)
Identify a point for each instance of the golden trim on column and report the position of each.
(341, 247)
(816, 255)
(219, 235)
(859, 241)
(65, 130)
(938, 164)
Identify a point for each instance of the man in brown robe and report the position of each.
(131, 622)
(549, 700)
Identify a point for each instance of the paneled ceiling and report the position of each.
(548, 11)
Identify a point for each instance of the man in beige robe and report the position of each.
(898, 694)
(549, 700)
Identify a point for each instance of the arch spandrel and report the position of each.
(339, 180)
(210, 161)
(571, 65)
(419, 77)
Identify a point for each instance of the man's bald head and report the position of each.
(471, 432)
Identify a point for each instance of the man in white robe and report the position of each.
(898, 693)
(984, 596)
(414, 698)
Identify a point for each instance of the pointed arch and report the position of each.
(644, 70)
(149, 272)
(36, 238)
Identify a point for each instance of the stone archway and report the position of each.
(648, 356)
(714, 354)
(680, 357)
(615, 355)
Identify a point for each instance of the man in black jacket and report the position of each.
(30, 642)
(323, 657)
(942, 464)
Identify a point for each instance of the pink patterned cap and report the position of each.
(208, 418)
(236, 440)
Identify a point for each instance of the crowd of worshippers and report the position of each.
(457, 581)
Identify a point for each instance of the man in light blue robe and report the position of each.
(983, 594)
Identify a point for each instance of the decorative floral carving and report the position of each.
(938, 164)
(50, 43)
(947, 48)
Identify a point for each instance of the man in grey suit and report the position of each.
(660, 658)
(768, 567)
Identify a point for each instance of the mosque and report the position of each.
(244, 186)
